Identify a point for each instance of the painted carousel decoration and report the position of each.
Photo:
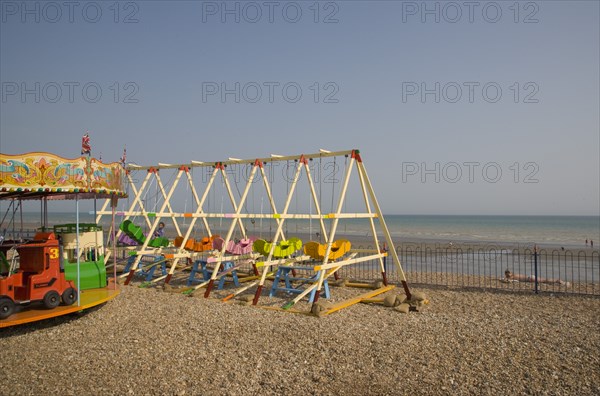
(48, 173)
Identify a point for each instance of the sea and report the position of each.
(564, 231)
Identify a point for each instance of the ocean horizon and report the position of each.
(568, 231)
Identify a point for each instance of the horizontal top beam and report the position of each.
(232, 161)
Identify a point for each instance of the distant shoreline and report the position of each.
(368, 241)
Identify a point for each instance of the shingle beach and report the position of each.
(148, 341)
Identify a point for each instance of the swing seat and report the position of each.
(259, 246)
(189, 245)
(231, 248)
(178, 241)
(282, 249)
(287, 248)
(317, 250)
(132, 231)
(159, 242)
(205, 244)
(199, 246)
(202, 245)
(125, 240)
(244, 246)
(312, 249)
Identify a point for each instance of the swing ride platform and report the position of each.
(48, 177)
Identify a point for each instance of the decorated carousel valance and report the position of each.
(35, 174)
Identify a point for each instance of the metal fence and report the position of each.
(556, 271)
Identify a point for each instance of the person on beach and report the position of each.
(591, 243)
(160, 231)
(509, 276)
(586, 242)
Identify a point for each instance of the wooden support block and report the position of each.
(403, 308)
(389, 300)
(320, 308)
(418, 296)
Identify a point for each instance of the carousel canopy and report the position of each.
(37, 175)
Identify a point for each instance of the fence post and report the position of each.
(384, 273)
(535, 268)
(385, 268)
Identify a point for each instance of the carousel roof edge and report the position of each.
(39, 174)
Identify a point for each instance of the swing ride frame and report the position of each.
(324, 269)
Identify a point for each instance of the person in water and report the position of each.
(508, 275)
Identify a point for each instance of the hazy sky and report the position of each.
(457, 107)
